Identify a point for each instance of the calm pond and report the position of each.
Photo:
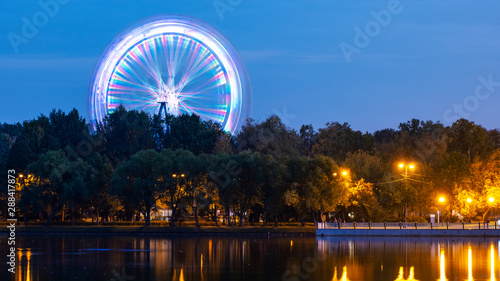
(253, 258)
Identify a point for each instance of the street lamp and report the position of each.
(343, 173)
(491, 199)
(406, 167)
(469, 200)
(405, 177)
(441, 200)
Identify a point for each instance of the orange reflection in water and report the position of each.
(492, 263)
(400, 275)
(442, 273)
(469, 263)
(181, 275)
(24, 273)
(343, 277)
(201, 267)
(411, 275)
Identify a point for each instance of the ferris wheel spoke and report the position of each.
(217, 115)
(195, 57)
(131, 97)
(207, 84)
(137, 57)
(178, 51)
(171, 62)
(120, 89)
(120, 82)
(200, 73)
(127, 74)
(151, 66)
(195, 68)
(150, 55)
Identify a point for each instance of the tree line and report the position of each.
(136, 164)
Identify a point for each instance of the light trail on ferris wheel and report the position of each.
(174, 65)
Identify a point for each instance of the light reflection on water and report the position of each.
(412, 258)
(256, 258)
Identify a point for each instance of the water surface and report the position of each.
(219, 258)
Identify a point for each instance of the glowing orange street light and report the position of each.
(182, 175)
(21, 175)
(174, 175)
(441, 199)
(344, 173)
(334, 174)
(469, 200)
(406, 177)
(406, 167)
(491, 199)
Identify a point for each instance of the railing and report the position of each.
(407, 225)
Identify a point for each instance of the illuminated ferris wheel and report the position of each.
(173, 65)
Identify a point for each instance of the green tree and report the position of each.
(247, 190)
(337, 140)
(98, 182)
(270, 137)
(325, 190)
(6, 143)
(296, 196)
(309, 138)
(59, 180)
(182, 176)
(469, 139)
(138, 181)
(31, 202)
(486, 178)
(125, 133)
(222, 173)
(59, 131)
(362, 202)
(364, 165)
(35, 139)
(314, 182)
(273, 184)
(191, 133)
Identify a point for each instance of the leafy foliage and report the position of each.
(134, 163)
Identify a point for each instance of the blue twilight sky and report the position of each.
(427, 61)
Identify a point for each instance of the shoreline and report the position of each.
(409, 232)
(160, 231)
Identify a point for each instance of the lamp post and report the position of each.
(406, 168)
(181, 189)
(441, 201)
(491, 200)
(346, 179)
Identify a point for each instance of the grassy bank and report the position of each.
(161, 230)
